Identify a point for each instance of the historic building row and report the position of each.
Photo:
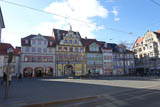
(66, 53)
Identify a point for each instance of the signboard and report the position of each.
(78, 73)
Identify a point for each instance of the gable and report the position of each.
(94, 45)
(39, 37)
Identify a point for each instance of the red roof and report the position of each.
(17, 51)
(139, 40)
(4, 47)
(158, 31)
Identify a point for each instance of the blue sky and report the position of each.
(136, 16)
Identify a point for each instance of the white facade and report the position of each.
(38, 58)
(1, 23)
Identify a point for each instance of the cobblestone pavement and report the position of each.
(38, 90)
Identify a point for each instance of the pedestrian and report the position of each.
(10, 79)
(20, 76)
(4, 78)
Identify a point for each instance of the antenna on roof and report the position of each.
(70, 26)
(52, 32)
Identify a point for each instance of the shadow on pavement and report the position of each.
(32, 91)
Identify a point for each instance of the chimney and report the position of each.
(86, 37)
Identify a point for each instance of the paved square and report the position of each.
(39, 90)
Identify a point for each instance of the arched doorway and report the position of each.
(49, 71)
(39, 72)
(27, 72)
(68, 70)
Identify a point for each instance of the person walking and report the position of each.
(20, 76)
(10, 79)
(4, 78)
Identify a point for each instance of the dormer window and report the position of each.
(70, 35)
(50, 43)
(26, 41)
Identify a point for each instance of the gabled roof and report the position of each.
(4, 47)
(33, 35)
(87, 42)
(59, 34)
(138, 41)
(49, 38)
(157, 33)
(1, 19)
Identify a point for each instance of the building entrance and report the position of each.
(39, 72)
(68, 70)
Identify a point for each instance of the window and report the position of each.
(76, 49)
(59, 48)
(39, 49)
(39, 42)
(82, 50)
(33, 42)
(71, 49)
(65, 49)
(143, 48)
(44, 50)
(66, 41)
(26, 58)
(50, 59)
(75, 41)
(50, 43)
(33, 49)
(27, 49)
(45, 59)
(70, 35)
(39, 59)
(50, 50)
(70, 41)
(34, 59)
(45, 42)
(150, 47)
(26, 41)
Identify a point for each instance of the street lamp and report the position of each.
(10, 57)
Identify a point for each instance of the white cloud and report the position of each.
(110, 1)
(116, 19)
(82, 10)
(115, 13)
(11, 37)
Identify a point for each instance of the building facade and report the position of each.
(147, 53)
(14, 65)
(1, 23)
(38, 56)
(107, 60)
(70, 53)
(94, 57)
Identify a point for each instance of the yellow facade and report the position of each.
(70, 56)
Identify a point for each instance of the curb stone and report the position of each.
(60, 102)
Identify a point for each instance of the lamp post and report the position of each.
(10, 57)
